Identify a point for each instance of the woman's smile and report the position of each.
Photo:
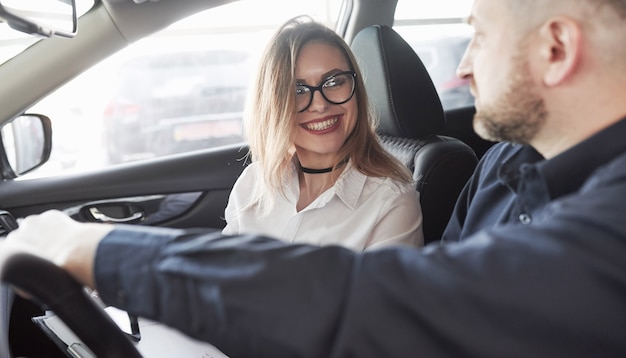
(323, 125)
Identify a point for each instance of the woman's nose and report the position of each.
(318, 102)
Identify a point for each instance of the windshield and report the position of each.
(13, 42)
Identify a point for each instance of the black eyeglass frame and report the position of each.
(312, 89)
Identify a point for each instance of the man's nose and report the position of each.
(464, 70)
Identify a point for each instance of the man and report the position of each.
(540, 268)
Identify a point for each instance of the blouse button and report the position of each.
(525, 219)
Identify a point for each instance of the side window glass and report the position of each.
(170, 102)
(437, 32)
(180, 90)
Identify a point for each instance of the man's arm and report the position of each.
(247, 295)
(554, 288)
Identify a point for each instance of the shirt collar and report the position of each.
(348, 186)
(566, 172)
(509, 172)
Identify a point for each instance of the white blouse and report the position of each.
(358, 212)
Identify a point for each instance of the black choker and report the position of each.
(316, 171)
(323, 170)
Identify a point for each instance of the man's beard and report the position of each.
(518, 115)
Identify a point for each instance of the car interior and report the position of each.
(191, 189)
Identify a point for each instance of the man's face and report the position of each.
(509, 106)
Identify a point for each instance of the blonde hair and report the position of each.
(269, 124)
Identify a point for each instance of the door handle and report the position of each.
(104, 218)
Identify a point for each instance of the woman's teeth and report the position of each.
(320, 126)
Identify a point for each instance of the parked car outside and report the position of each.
(174, 102)
(168, 103)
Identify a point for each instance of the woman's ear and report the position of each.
(561, 49)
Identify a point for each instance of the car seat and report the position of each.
(410, 118)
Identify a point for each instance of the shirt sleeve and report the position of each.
(400, 221)
(230, 215)
(554, 288)
(242, 190)
(250, 296)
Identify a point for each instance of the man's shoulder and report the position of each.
(502, 150)
(610, 173)
(498, 154)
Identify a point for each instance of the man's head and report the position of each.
(543, 71)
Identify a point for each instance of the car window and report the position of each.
(180, 90)
(437, 32)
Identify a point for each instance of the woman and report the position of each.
(318, 173)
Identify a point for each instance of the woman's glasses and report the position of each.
(336, 89)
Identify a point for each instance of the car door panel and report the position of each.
(199, 182)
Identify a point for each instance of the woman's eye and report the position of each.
(300, 90)
(331, 82)
(335, 81)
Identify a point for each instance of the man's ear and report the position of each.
(561, 47)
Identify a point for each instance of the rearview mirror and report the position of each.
(26, 144)
(42, 17)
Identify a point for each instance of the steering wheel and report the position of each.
(51, 288)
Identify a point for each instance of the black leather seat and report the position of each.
(411, 116)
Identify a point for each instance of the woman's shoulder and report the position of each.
(249, 173)
(253, 172)
(391, 185)
(399, 186)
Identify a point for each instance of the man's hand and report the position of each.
(56, 237)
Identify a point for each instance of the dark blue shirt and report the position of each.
(513, 184)
(540, 271)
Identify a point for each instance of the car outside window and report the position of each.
(184, 88)
(180, 90)
(437, 32)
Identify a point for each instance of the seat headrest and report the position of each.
(398, 84)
